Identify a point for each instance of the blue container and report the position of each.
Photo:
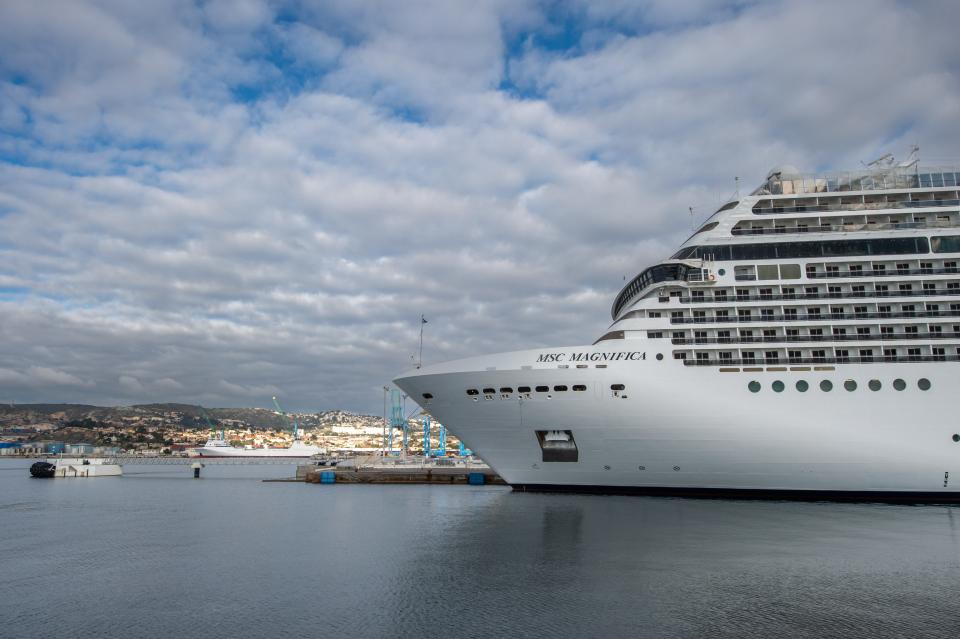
(477, 479)
(328, 477)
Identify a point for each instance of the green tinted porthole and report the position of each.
(956, 437)
(754, 386)
(826, 386)
(850, 385)
(899, 384)
(777, 386)
(802, 386)
(722, 272)
(875, 384)
(923, 383)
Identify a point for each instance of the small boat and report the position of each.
(76, 467)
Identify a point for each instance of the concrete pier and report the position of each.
(476, 474)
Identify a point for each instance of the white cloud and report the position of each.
(208, 203)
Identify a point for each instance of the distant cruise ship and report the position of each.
(218, 447)
(802, 343)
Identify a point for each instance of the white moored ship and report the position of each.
(803, 342)
(216, 447)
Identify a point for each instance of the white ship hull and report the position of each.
(692, 430)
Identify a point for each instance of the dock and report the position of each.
(383, 472)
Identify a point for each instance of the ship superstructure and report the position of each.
(803, 339)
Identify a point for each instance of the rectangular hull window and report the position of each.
(557, 445)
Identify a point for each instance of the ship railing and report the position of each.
(854, 206)
(812, 317)
(893, 272)
(846, 228)
(794, 297)
(878, 359)
(766, 339)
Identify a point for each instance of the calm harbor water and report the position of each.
(159, 554)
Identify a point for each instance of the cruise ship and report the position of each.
(802, 343)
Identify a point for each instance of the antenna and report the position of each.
(736, 181)
(692, 223)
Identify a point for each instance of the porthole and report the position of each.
(543, 389)
(506, 390)
(721, 271)
(802, 386)
(523, 389)
(826, 386)
(899, 384)
(472, 391)
(956, 438)
(579, 387)
(777, 386)
(559, 388)
(659, 356)
(617, 387)
(924, 384)
(754, 386)
(427, 396)
(874, 384)
(489, 391)
(850, 385)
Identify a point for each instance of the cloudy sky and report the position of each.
(214, 202)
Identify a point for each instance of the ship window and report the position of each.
(489, 391)
(579, 387)
(523, 389)
(707, 227)
(850, 385)
(559, 388)
(427, 396)
(754, 386)
(777, 386)
(472, 391)
(923, 384)
(767, 272)
(831, 248)
(610, 335)
(945, 244)
(543, 389)
(874, 384)
(899, 384)
(826, 386)
(802, 386)
(506, 389)
(789, 271)
(617, 387)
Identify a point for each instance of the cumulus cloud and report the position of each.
(220, 202)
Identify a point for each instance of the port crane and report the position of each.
(293, 420)
(206, 418)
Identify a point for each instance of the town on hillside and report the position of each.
(174, 429)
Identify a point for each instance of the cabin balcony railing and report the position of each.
(819, 296)
(780, 339)
(877, 359)
(813, 317)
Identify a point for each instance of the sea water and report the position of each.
(156, 553)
